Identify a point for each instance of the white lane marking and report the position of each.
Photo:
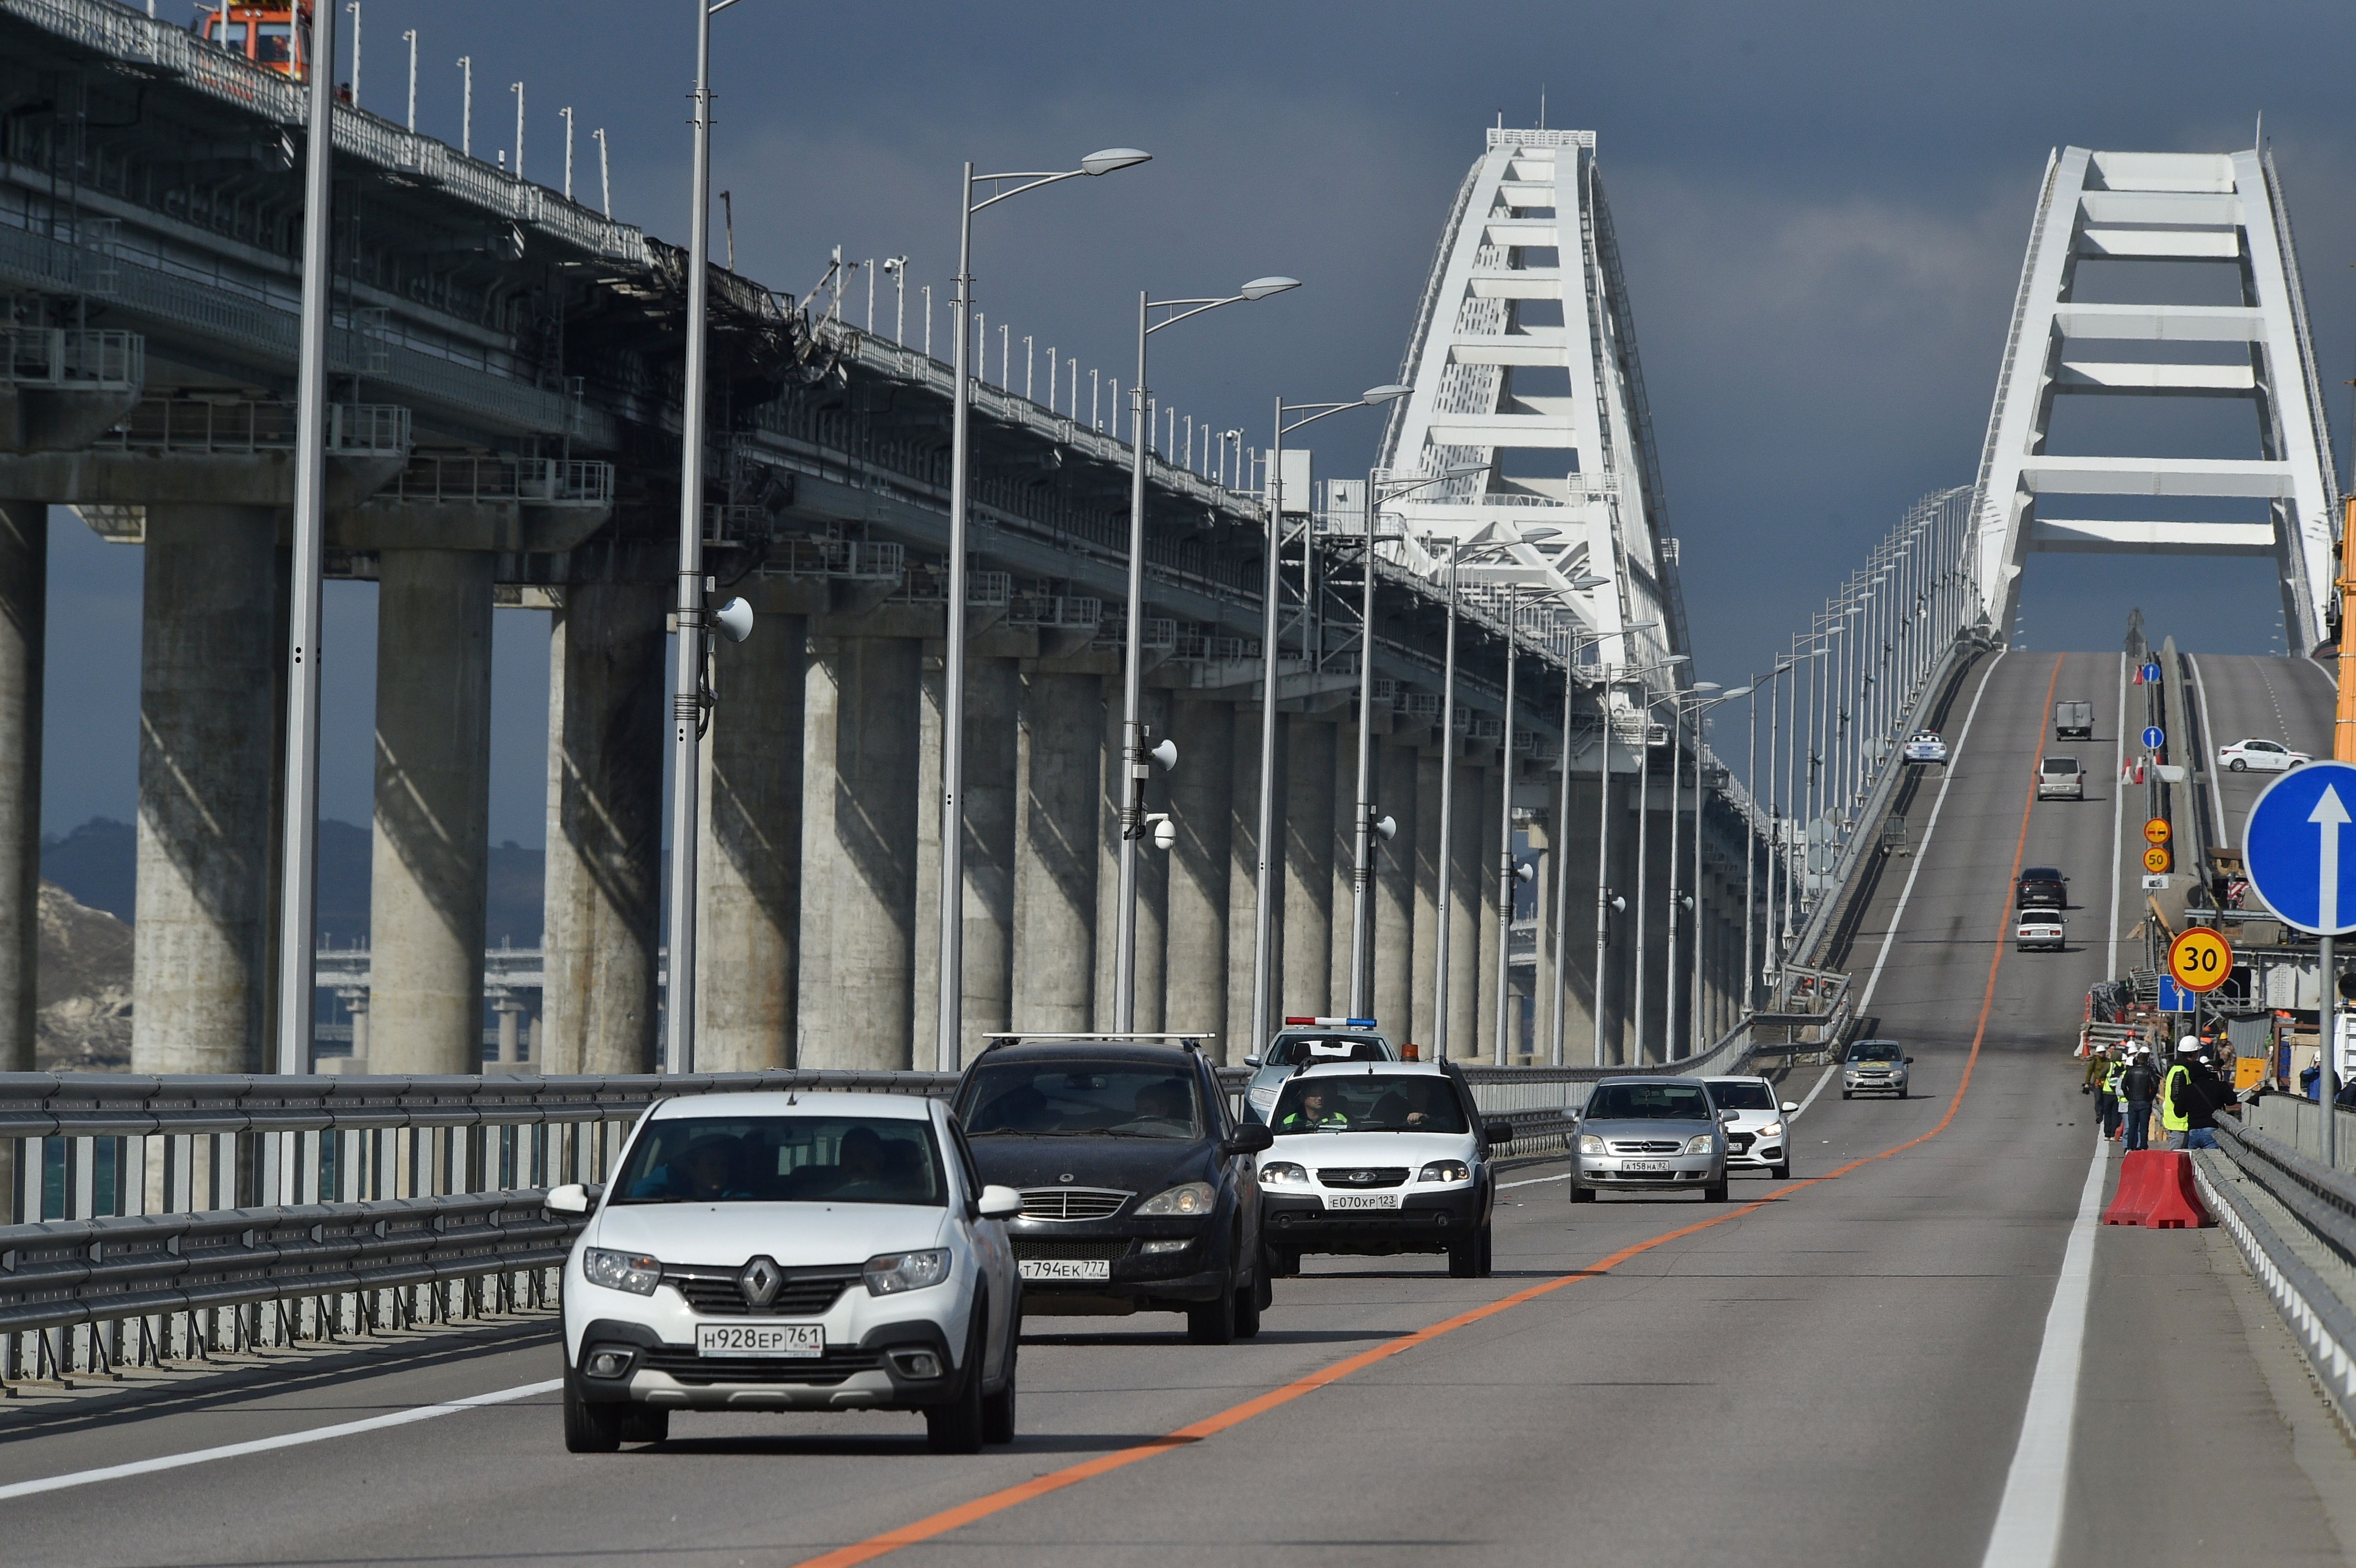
(2328, 679)
(265, 1444)
(2118, 821)
(1822, 1079)
(1923, 851)
(1533, 1182)
(2028, 1531)
(2208, 751)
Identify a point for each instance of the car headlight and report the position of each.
(1186, 1200)
(1589, 1144)
(1699, 1144)
(1771, 1130)
(621, 1271)
(1446, 1170)
(888, 1274)
(1275, 1173)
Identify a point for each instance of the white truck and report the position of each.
(2073, 720)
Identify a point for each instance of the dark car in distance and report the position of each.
(2042, 886)
(1138, 1188)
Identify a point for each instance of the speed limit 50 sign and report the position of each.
(2199, 960)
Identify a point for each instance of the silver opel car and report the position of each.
(1650, 1134)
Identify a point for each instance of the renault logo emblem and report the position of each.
(758, 1282)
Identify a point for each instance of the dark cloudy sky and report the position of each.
(1823, 210)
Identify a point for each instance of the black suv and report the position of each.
(1138, 1188)
(2043, 887)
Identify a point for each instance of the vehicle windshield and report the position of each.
(1081, 1099)
(2060, 765)
(1307, 1050)
(1377, 1102)
(1875, 1050)
(1740, 1094)
(2042, 874)
(783, 1159)
(1648, 1103)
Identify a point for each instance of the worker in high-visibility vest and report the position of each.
(2107, 1102)
(2185, 1099)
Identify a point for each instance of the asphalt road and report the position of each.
(1829, 1371)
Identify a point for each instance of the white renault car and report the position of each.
(2260, 756)
(1378, 1157)
(791, 1251)
(1755, 1130)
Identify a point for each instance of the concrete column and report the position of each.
(1395, 797)
(1467, 875)
(24, 598)
(1202, 806)
(1344, 855)
(749, 870)
(1308, 866)
(1491, 820)
(600, 934)
(860, 730)
(1547, 840)
(355, 1003)
(508, 1010)
(1152, 866)
(1243, 891)
(1060, 739)
(1421, 832)
(1575, 862)
(993, 701)
(429, 870)
(211, 672)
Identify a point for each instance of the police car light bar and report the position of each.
(1331, 1023)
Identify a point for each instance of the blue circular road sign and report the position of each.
(2300, 854)
(2151, 674)
(2154, 738)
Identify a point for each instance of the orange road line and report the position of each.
(920, 1530)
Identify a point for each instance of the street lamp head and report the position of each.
(1385, 393)
(1260, 288)
(1111, 158)
(1585, 580)
(1738, 691)
(1702, 688)
(1534, 536)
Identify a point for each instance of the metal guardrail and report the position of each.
(2293, 1219)
(242, 427)
(533, 481)
(84, 359)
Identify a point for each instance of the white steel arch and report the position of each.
(1523, 360)
(2187, 207)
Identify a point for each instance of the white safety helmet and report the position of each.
(2188, 1046)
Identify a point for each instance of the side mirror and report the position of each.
(1791, 1107)
(999, 1203)
(570, 1199)
(1250, 1139)
(1252, 1059)
(1497, 1130)
(1728, 1115)
(1910, 1061)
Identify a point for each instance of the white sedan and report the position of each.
(2260, 756)
(1926, 747)
(2039, 928)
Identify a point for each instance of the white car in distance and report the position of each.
(1757, 1137)
(791, 1251)
(2255, 756)
(2039, 928)
(1925, 746)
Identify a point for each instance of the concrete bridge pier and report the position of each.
(749, 878)
(1196, 937)
(1423, 834)
(1243, 886)
(1308, 882)
(211, 678)
(1397, 796)
(1060, 736)
(1152, 865)
(23, 599)
(605, 829)
(1492, 820)
(859, 765)
(1472, 862)
(429, 876)
(993, 701)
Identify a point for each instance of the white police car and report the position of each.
(1308, 1041)
(1378, 1157)
(1925, 746)
(791, 1251)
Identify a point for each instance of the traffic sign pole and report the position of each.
(2294, 835)
(2327, 1083)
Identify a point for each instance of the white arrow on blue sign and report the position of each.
(2299, 860)
(2151, 674)
(2154, 738)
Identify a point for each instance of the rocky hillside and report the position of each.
(85, 987)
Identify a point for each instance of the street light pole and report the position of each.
(1505, 869)
(1562, 818)
(1693, 1003)
(298, 875)
(1136, 762)
(949, 1034)
(1447, 818)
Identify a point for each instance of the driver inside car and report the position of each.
(1315, 1110)
(707, 1169)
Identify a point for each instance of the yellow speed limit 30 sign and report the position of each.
(2199, 960)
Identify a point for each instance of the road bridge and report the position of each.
(504, 433)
